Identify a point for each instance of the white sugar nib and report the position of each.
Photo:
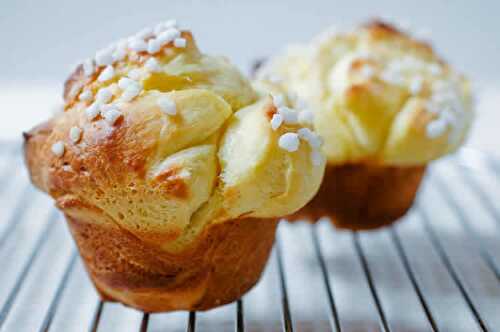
(58, 148)
(436, 128)
(137, 45)
(86, 95)
(180, 42)
(104, 57)
(152, 65)
(278, 100)
(276, 121)
(131, 92)
(88, 67)
(74, 134)
(92, 111)
(289, 142)
(310, 137)
(289, 115)
(107, 74)
(167, 105)
(104, 95)
(111, 116)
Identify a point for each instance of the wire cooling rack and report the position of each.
(436, 270)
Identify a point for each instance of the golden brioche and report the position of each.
(170, 173)
(385, 105)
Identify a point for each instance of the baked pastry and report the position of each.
(169, 173)
(385, 105)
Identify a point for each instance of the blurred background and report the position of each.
(41, 41)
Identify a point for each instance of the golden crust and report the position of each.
(383, 30)
(224, 262)
(361, 197)
(175, 210)
(378, 95)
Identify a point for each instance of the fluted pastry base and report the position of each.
(361, 197)
(225, 261)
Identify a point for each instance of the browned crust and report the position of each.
(360, 197)
(226, 261)
(171, 183)
(379, 29)
(270, 110)
(382, 27)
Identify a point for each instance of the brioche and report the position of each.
(170, 173)
(385, 105)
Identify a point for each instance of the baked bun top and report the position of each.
(378, 95)
(162, 140)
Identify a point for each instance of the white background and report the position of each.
(41, 40)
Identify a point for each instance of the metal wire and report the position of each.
(191, 326)
(366, 269)
(17, 215)
(451, 270)
(411, 275)
(240, 322)
(97, 316)
(144, 323)
(483, 197)
(4, 311)
(334, 318)
(490, 262)
(57, 297)
(6, 178)
(285, 307)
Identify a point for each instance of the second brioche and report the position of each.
(385, 105)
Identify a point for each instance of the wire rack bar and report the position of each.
(10, 147)
(47, 321)
(144, 323)
(451, 270)
(413, 279)
(462, 219)
(27, 267)
(191, 326)
(334, 318)
(485, 199)
(17, 215)
(97, 316)
(6, 178)
(366, 269)
(285, 307)
(240, 321)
